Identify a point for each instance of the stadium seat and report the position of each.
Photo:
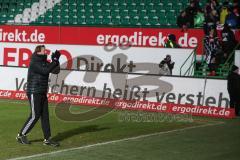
(129, 12)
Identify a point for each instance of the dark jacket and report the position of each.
(191, 12)
(182, 21)
(233, 86)
(169, 63)
(38, 73)
(228, 40)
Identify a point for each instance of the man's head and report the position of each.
(168, 57)
(183, 13)
(172, 37)
(40, 49)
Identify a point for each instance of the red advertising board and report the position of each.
(121, 104)
(141, 37)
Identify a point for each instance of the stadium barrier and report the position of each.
(184, 95)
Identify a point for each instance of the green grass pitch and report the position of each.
(108, 138)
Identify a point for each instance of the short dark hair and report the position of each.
(38, 48)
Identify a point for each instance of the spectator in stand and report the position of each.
(183, 21)
(237, 14)
(228, 41)
(232, 19)
(223, 13)
(199, 19)
(233, 87)
(171, 42)
(212, 50)
(197, 4)
(211, 5)
(191, 12)
(211, 21)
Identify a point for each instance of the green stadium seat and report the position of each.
(90, 20)
(134, 20)
(185, 1)
(96, 7)
(153, 20)
(89, 13)
(170, 14)
(143, 13)
(114, 6)
(81, 13)
(159, 6)
(144, 21)
(80, 7)
(96, 1)
(40, 19)
(123, 13)
(106, 20)
(122, 6)
(168, 6)
(81, 20)
(116, 20)
(157, 1)
(115, 13)
(172, 21)
(140, 7)
(72, 14)
(131, 6)
(73, 20)
(98, 12)
(151, 13)
(48, 20)
(98, 20)
(125, 21)
(133, 13)
(106, 13)
(149, 6)
(161, 14)
(163, 21)
(72, 7)
(106, 7)
(56, 20)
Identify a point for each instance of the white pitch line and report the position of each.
(116, 141)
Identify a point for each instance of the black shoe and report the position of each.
(50, 142)
(22, 139)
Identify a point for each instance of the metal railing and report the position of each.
(191, 68)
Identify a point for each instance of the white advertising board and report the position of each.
(164, 89)
(132, 59)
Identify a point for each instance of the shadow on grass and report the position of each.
(67, 134)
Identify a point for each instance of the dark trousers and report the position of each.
(235, 104)
(39, 109)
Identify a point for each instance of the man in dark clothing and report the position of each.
(37, 88)
(171, 42)
(167, 65)
(233, 87)
(183, 21)
(228, 40)
(191, 12)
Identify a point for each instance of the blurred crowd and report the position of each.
(210, 15)
(217, 22)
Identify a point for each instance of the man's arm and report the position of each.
(36, 67)
(170, 65)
